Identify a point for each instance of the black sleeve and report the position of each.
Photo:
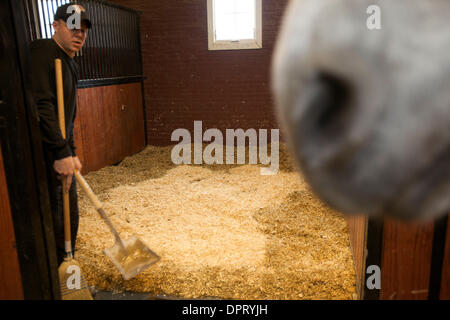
(44, 88)
(71, 141)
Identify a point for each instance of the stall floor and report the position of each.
(222, 231)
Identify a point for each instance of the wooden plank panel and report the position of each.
(81, 137)
(88, 134)
(107, 134)
(133, 117)
(97, 123)
(406, 262)
(128, 102)
(357, 228)
(11, 280)
(123, 121)
(445, 284)
(109, 101)
(114, 130)
(78, 137)
(138, 119)
(90, 110)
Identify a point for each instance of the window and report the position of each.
(234, 24)
(47, 9)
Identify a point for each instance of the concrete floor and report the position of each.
(107, 295)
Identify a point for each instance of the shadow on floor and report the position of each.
(107, 295)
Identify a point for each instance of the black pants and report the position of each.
(56, 203)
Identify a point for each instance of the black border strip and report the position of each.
(83, 84)
(374, 254)
(437, 257)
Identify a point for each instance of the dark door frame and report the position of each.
(23, 159)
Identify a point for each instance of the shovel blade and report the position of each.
(137, 258)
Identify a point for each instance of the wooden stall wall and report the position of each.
(406, 263)
(109, 125)
(414, 258)
(357, 228)
(406, 253)
(408, 258)
(187, 82)
(445, 287)
(10, 278)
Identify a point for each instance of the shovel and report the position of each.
(72, 282)
(130, 256)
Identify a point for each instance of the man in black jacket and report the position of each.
(71, 26)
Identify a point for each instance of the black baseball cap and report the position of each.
(65, 11)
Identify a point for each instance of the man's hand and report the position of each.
(77, 164)
(65, 168)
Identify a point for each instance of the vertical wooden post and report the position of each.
(11, 280)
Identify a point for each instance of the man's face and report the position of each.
(71, 40)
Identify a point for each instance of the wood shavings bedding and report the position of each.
(221, 231)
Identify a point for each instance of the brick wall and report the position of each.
(187, 82)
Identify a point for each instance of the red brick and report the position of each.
(187, 82)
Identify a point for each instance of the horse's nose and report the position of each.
(321, 116)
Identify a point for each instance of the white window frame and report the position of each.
(255, 43)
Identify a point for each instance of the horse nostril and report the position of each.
(326, 107)
(334, 101)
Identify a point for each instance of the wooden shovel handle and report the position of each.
(87, 189)
(99, 207)
(62, 126)
(60, 97)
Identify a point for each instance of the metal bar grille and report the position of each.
(112, 48)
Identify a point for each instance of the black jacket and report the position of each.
(43, 55)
